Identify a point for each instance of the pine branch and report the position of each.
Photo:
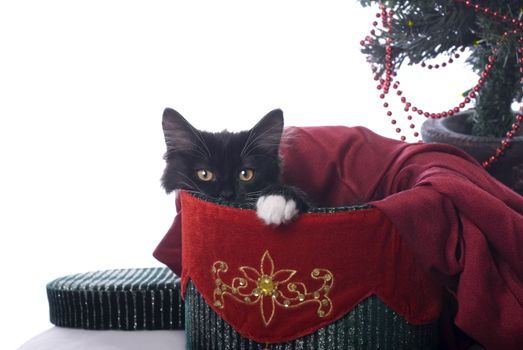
(423, 30)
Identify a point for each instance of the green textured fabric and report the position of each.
(370, 325)
(123, 299)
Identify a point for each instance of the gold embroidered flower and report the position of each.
(267, 282)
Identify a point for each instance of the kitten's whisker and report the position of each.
(196, 149)
(246, 145)
(202, 141)
(191, 181)
(247, 148)
(190, 191)
(254, 193)
(187, 187)
(200, 147)
(199, 150)
(255, 147)
(253, 196)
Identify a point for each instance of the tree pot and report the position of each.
(456, 131)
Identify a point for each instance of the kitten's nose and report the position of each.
(227, 194)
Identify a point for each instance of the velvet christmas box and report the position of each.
(450, 217)
(120, 299)
(335, 278)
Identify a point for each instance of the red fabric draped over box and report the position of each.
(278, 284)
(462, 225)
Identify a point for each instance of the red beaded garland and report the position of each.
(443, 64)
(385, 84)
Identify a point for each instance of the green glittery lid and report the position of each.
(121, 299)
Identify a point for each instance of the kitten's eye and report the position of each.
(205, 175)
(246, 175)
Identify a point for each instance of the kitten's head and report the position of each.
(227, 165)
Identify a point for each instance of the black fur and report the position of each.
(226, 154)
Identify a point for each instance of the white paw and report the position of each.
(275, 210)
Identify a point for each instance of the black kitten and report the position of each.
(241, 167)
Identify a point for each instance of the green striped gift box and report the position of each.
(370, 325)
(119, 299)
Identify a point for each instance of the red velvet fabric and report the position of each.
(461, 224)
(360, 252)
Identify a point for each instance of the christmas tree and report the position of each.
(492, 30)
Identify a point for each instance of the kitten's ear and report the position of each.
(179, 134)
(267, 133)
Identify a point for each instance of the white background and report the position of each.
(82, 88)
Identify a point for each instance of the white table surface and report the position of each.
(58, 338)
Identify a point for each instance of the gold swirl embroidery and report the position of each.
(270, 289)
